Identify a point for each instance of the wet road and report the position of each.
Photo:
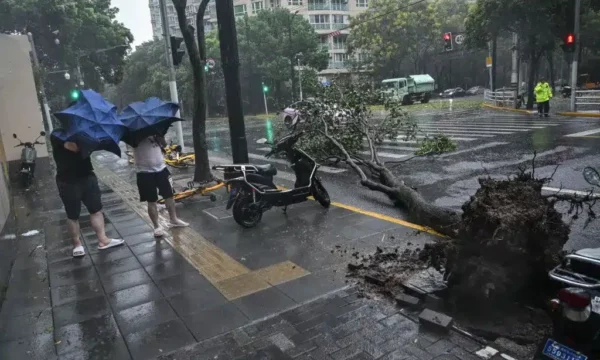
(489, 143)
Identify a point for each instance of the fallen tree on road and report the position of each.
(506, 238)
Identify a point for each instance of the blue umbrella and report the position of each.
(92, 123)
(146, 118)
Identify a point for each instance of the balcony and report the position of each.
(338, 26)
(339, 46)
(337, 65)
(339, 7)
(321, 26)
(319, 6)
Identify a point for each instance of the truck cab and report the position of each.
(409, 89)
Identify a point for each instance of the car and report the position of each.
(291, 116)
(453, 93)
(476, 90)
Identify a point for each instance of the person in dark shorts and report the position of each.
(78, 184)
(153, 175)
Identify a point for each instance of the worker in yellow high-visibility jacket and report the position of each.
(543, 94)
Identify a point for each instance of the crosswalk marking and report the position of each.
(481, 133)
(386, 155)
(584, 133)
(487, 127)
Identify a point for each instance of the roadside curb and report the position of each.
(578, 114)
(493, 107)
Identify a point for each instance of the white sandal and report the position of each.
(78, 252)
(113, 243)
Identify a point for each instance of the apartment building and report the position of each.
(326, 16)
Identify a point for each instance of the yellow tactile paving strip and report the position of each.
(230, 277)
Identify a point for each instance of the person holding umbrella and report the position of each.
(91, 124)
(147, 123)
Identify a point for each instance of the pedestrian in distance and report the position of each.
(543, 94)
(78, 184)
(153, 175)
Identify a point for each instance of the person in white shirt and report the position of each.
(152, 174)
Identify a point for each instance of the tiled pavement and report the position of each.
(145, 299)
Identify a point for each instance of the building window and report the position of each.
(339, 42)
(275, 3)
(257, 6)
(339, 5)
(318, 5)
(239, 10)
(362, 3)
(320, 22)
(295, 2)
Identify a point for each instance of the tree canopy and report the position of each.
(82, 27)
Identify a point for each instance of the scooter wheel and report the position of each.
(245, 214)
(320, 194)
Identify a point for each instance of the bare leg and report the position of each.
(170, 203)
(97, 221)
(73, 229)
(175, 221)
(153, 213)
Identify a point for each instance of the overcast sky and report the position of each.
(135, 14)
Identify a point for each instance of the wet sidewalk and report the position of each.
(211, 291)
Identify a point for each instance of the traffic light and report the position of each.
(176, 51)
(569, 43)
(448, 44)
(74, 95)
(265, 88)
(206, 68)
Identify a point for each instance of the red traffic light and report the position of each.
(447, 36)
(570, 39)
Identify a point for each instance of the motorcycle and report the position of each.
(28, 157)
(566, 91)
(576, 310)
(251, 187)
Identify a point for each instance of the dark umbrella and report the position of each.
(92, 123)
(146, 118)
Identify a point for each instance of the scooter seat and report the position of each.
(593, 253)
(267, 170)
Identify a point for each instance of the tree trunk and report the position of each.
(202, 171)
(494, 63)
(550, 56)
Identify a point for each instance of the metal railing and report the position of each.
(587, 99)
(337, 65)
(319, 6)
(338, 26)
(339, 6)
(321, 26)
(506, 98)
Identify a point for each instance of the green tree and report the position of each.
(269, 43)
(82, 27)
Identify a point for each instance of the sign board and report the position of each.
(488, 61)
(459, 39)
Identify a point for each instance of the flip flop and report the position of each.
(113, 243)
(181, 224)
(78, 252)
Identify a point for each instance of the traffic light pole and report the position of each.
(575, 56)
(231, 71)
(172, 78)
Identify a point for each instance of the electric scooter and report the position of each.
(576, 310)
(28, 158)
(251, 187)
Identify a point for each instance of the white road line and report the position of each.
(584, 133)
(399, 139)
(478, 133)
(492, 122)
(386, 155)
(485, 127)
(570, 192)
(399, 148)
(475, 148)
(326, 169)
(266, 149)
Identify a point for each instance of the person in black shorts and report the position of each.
(78, 184)
(153, 175)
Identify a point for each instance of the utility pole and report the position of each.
(231, 72)
(45, 107)
(575, 56)
(300, 76)
(514, 76)
(172, 79)
(265, 98)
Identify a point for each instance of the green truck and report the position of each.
(410, 89)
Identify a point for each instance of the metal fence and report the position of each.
(505, 98)
(587, 100)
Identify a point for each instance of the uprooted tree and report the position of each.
(508, 235)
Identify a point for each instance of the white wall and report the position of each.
(19, 107)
